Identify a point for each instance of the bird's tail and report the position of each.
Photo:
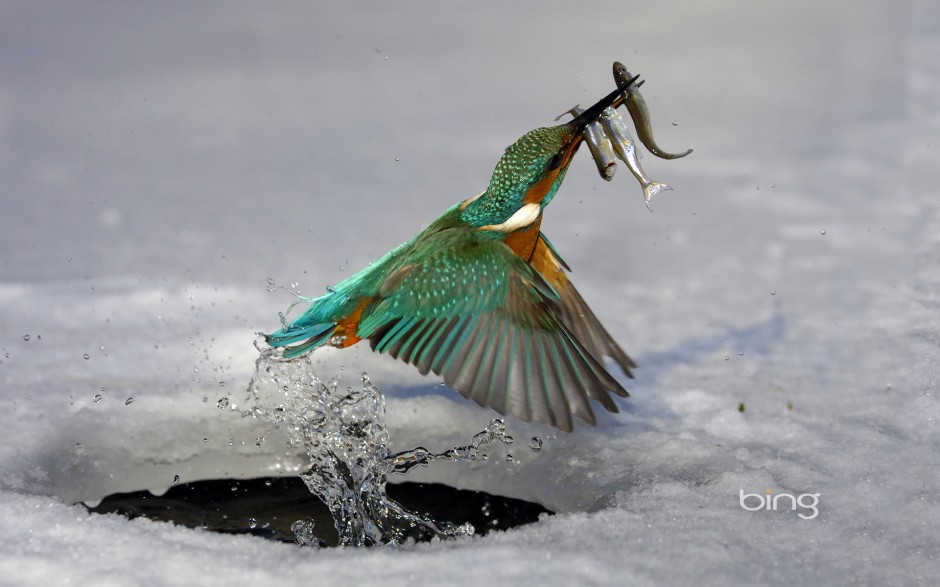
(309, 338)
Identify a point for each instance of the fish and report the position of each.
(625, 148)
(640, 114)
(599, 143)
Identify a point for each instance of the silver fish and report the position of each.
(640, 114)
(625, 148)
(600, 146)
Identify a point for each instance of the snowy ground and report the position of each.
(160, 164)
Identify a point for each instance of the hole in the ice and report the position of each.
(270, 507)
(342, 497)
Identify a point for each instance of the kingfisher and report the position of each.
(482, 298)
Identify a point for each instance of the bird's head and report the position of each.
(532, 169)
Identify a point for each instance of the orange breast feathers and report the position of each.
(549, 266)
(523, 241)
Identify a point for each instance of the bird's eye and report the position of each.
(555, 162)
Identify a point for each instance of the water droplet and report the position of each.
(86, 356)
(823, 232)
(509, 458)
(176, 479)
(27, 337)
(252, 523)
(330, 289)
(773, 292)
(535, 443)
(97, 398)
(221, 384)
(675, 123)
(129, 401)
(740, 354)
(270, 281)
(727, 358)
(758, 187)
(773, 186)
(397, 159)
(222, 403)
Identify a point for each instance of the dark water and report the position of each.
(269, 507)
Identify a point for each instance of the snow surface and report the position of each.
(162, 162)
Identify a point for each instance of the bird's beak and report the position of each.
(611, 100)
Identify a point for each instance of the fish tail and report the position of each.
(651, 189)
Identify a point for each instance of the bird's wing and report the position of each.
(475, 313)
(573, 311)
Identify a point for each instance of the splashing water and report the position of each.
(344, 434)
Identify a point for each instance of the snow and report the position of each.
(161, 164)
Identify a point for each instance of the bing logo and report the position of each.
(753, 502)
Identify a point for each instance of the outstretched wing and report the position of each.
(475, 313)
(573, 311)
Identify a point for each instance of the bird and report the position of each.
(482, 298)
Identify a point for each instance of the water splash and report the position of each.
(294, 290)
(405, 461)
(343, 432)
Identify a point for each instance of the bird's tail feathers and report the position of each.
(310, 337)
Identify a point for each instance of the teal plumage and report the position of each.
(481, 298)
(521, 165)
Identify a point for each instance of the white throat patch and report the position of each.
(522, 218)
